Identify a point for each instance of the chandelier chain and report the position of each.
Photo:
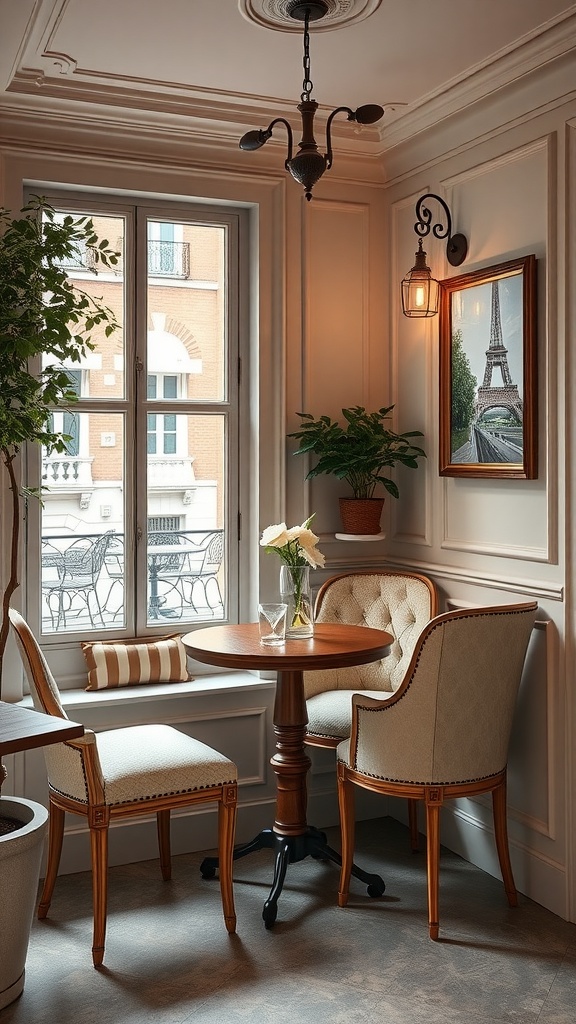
(307, 83)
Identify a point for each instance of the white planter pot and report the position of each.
(20, 859)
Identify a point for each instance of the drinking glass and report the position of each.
(272, 622)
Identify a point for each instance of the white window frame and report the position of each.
(137, 211)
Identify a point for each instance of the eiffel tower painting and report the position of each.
(488, 372)
(506, 395)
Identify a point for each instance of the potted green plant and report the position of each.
(41, 315)
(360, 452)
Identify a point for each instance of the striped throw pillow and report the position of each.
(113, 663)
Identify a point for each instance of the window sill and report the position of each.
(222, 682)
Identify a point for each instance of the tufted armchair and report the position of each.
(444, 733)
(401, 603)
(124, 773)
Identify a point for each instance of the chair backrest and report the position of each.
(451, 718)
(64, 763)
(168, 562)
(214, 555)
(84, 558)
(399, 602)
(43, 687)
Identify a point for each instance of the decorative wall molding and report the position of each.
(497, 550)
(419, 334)
(546, 590)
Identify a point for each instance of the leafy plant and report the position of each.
(360, 451)
(41, 314)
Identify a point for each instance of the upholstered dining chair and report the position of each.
(444, 733)
(401, 603)
(122, 773)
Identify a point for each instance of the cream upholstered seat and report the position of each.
(121, 773)
(400, 603)
(444, 733)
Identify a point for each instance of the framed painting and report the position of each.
(488, 368)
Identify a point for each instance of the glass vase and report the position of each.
(296, 592)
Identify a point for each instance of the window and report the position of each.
(138, 525)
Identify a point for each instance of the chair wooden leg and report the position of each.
(413, 825)
(99, 851)
(55, 836)
(163, 829)
(226, 832)
(433, 864)
(501, 836)
(347, 819)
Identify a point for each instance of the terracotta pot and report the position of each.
(361, 516)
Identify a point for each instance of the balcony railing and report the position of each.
(165, 259)
(83, 579)
(168, 259)
(62, 471)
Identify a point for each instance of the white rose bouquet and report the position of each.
(297, 548)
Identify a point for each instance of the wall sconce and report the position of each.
(419, 289)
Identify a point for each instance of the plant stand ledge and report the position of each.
(360, 536)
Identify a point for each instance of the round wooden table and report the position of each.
(332, 646)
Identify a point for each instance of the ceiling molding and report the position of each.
(465, 91)
(45, 77)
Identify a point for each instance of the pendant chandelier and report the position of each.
(308, 166)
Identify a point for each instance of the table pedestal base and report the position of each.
(288, 850)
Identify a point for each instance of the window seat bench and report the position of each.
(217, 683)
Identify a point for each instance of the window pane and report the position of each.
(82, 528)
(170, 387)
(104, 367)
(186, 538)
(187, 309)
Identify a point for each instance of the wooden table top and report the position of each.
(23, 729)
(333, 644)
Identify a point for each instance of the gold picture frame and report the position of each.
(487, 325)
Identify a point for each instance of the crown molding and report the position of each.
(467, 90)
(116, 137)
(58, 87)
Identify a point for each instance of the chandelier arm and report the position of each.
(288, 127)
(424, 215)
(339, 110)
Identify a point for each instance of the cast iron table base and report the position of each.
(288, 850)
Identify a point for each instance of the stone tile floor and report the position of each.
(170, 960)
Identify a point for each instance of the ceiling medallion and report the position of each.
(275, 14)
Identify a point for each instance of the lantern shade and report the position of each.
(419, 294)
(419, 289)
